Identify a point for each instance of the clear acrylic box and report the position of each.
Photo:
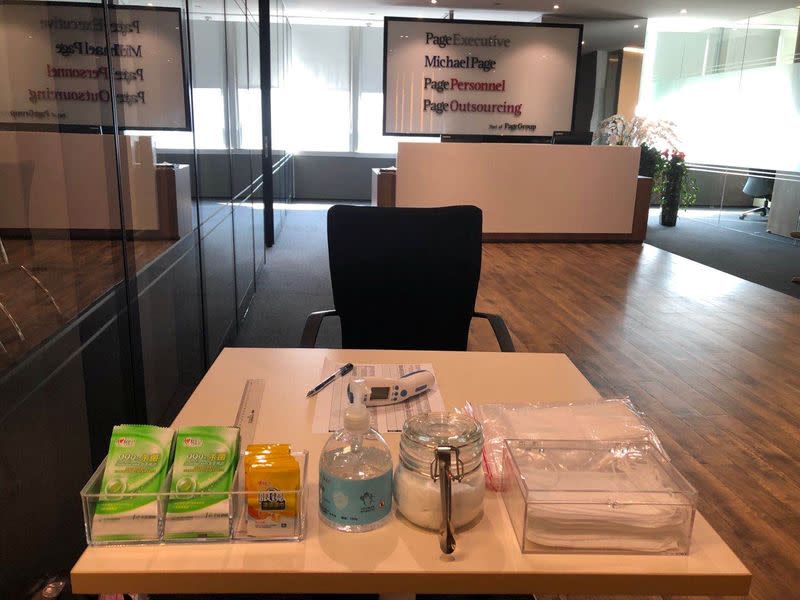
(148, 525)
(596, 497)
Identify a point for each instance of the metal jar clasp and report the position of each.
(441, 470)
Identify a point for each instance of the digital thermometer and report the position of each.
(384, 391)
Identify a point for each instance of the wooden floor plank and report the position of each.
(712, 360)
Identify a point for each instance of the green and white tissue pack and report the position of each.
(136, 468)
(202, 478)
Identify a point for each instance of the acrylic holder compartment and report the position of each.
(149, 524)
(596, 497)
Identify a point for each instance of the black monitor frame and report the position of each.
(510, 138)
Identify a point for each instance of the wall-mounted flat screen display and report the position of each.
(478, 78)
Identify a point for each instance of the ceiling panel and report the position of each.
(724, 9)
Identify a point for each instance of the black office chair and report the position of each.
(405, 278)
(758, 187)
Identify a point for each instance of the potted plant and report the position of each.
(649, 161)
(616, 130)
(674, 186)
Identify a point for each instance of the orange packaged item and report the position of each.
(273, 474)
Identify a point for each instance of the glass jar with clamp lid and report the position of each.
(439, 482)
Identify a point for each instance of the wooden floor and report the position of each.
(713, 361)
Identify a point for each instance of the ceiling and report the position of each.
(608, 24)
(607, 34)
(722, 9)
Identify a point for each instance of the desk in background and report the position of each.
(784, 214)
(384, 186)
(532, 192)
(61, 185)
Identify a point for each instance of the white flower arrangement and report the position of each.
(616, 130)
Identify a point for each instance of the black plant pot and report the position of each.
(671, 199)
(669, 215)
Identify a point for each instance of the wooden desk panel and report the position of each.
(384, 186)
(527, 192)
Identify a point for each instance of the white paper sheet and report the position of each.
(332, 401)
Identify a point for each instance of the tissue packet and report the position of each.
(272, 480)
(202, 478)
(136, 467)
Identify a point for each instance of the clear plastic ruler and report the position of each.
(249, 407)
(246, 421)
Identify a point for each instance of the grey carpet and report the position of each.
(753, 224)
(756, 258)
(294, 282)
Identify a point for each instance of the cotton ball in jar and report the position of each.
(418, 498)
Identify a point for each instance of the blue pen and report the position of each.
(329, 380)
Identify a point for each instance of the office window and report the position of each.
(209, 119)
(370, 92)
(250, 109)
(209, 125)
(370, 125)
(314, 105)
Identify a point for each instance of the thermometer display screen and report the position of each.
(379, 393)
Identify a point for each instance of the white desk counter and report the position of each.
(531, 192)
(397, 558)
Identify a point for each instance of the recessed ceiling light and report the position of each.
(583, 42)
(556, 7)
(684, 11)
(636, 26)
(434, 1)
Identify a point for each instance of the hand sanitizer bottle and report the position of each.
(355, 471)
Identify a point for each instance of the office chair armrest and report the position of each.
(500, 330)
(311, 329)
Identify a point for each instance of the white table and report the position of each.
(397, 558)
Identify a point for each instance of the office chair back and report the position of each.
(758, 187)
(405, 278)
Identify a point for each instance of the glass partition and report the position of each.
(253, 138)
(131, 235)
(733, 89)
(280, 47)
(63, 269)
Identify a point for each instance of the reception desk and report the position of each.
(531, 192)
(56, 184)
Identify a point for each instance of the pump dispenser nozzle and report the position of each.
(356, 415)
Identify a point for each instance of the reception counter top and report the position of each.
(531, 192)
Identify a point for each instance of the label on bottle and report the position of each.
(355, 501)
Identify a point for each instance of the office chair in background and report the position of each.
(405, 278)
(758, 187)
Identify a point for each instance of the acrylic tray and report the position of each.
(596, 497)
(150, 528)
